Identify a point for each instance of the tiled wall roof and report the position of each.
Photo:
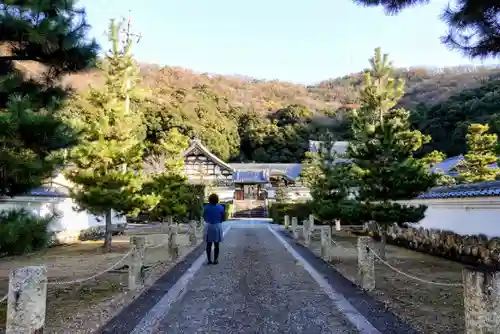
(480, 189)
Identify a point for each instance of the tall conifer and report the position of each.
(382, 150)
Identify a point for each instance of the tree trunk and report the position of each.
(383, 242)
(108, 234)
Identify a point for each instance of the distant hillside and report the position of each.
(428, 86)
(245, 119)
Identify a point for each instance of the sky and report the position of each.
(297, 41)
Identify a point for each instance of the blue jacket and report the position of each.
(213, 214)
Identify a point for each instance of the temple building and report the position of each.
(249, 186)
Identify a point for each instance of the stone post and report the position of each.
(136, 262)
(307, 232)
(481, 300)
(326, 243)
(165, 225)
(311, 222)
(27, 299)
(337, 225)
(366, 263)
(173, 246)
(295, 228)
(287, 221)
(192, 233)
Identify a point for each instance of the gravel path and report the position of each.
(256, 288)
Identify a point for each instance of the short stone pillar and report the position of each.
(311, 222)
(173, 246)
(192, 233)
(337, 225)
(27, 299)
(136, 262)
(165, 225)
(326, 243)
(306, 232)
(481, 300)
(366, 263)
(287, 221)
(295, 227)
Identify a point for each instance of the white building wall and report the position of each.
(465, 216)
(225, 194)
(70, 220)
(294, 193)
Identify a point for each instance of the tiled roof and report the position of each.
(480, 189)
(47, 191)
(292, 171)
(339, 147)
(447, 165)
(251, 176)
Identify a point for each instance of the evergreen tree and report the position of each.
(477, 165)
(171, 184)
(107, 165)
(39, 42)
(311, 169)
(332, 187)
(382, 151)
(281, 192)
(473, 24)
(433, 158)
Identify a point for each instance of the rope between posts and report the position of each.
(402, 272)
(4, 298)
(81, 280)
(410, 276)
(157, 246)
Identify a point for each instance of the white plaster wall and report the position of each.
(461, 220)
(70, 219)
(294, 193)
(465, 216)
(225, 193)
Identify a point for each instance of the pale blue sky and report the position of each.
(298, 41)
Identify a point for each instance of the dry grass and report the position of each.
(428, 308)
(83, 307)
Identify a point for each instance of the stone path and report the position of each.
(259, 286)
(256, 288)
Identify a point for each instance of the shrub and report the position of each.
(277, 211)
(228, 210)
(21, 232)
(196, 200)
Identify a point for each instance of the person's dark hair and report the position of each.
(213, 199)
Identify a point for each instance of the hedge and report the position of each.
(277, 211)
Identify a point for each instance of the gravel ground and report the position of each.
(429, 308)
(256, 288)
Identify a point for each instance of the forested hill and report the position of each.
(242, 118)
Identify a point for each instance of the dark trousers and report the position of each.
(209, 251)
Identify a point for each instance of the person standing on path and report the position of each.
(213, 213)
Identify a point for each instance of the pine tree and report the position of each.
(382, 151)
(433, 158)
(331, 188)
(473, 24)
(171, 184)
(107, 165)
(39, 42)
(311, 169)
(477, 165)
(281, 192)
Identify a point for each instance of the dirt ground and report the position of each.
(429, 308)
(83, 307)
